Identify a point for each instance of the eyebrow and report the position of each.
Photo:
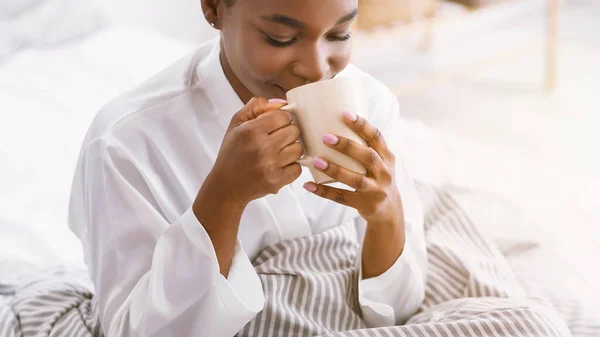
(347, 17)
(286, 20)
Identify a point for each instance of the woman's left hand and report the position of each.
(376, 196)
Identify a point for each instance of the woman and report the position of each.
(183, 181)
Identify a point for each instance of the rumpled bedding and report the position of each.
(471, 290)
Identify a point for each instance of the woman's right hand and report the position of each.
(259, 152)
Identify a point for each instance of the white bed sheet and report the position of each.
(545, 219)
(48, 98)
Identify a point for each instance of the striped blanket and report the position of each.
(471, 291)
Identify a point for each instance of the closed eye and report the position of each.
(278, 43)
(338, 38)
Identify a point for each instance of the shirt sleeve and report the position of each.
(392, 297)
(152, 277)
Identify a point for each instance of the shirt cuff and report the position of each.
(383, 302)
(241, 293)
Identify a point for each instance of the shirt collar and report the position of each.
(215, 84)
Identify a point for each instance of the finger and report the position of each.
(367, 156)
(285, 136)
(368, 132)
(340, 196)
(291, 173)
(254, 108)
(290, 154)
(273, 120)
(343, 175)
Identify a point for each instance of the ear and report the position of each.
(210, 8)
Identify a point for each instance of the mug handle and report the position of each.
(306, 160)
(289, 108)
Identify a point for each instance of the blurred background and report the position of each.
(500, 97)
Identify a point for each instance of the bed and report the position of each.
(48, 97)
(51, 87)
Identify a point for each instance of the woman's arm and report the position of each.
(394, 295)
(257, 157)
(393, 259)
(186, 277)
(152, 277)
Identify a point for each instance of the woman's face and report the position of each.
(272, 46)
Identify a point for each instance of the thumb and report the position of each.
(254, 108)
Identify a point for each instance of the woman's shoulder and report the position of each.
(148, 100)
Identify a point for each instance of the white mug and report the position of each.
(317, 108)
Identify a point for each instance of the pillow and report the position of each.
(40, 23)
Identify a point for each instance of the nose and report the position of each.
(312, 64)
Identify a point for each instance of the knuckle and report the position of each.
(380, 196)
(360, 182)
(371, 157)
(298, 150)
(296, 132)
(252, 101)
(272, 184)
(387, 175)
(258, 100)
(288, 117)
(386, 178)
(346, 145)
(377, 136)
(362, 123)
(296, 171)
(392, 157)
(256, 104)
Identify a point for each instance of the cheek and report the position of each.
(246, 59)
(263, 61)
(341, 58)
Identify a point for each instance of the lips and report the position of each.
(282, 90)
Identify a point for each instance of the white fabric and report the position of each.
(153, 265)
(48, 98)
(518, 202)
(45, 22)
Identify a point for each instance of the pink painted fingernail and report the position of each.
(310, 187)
(278, 100)
(350, 116)
(320, 163)
(330, 139)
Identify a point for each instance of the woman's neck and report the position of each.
(243, 93)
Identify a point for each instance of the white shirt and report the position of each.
(152, 263)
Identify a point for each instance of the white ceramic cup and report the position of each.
(317, 109)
